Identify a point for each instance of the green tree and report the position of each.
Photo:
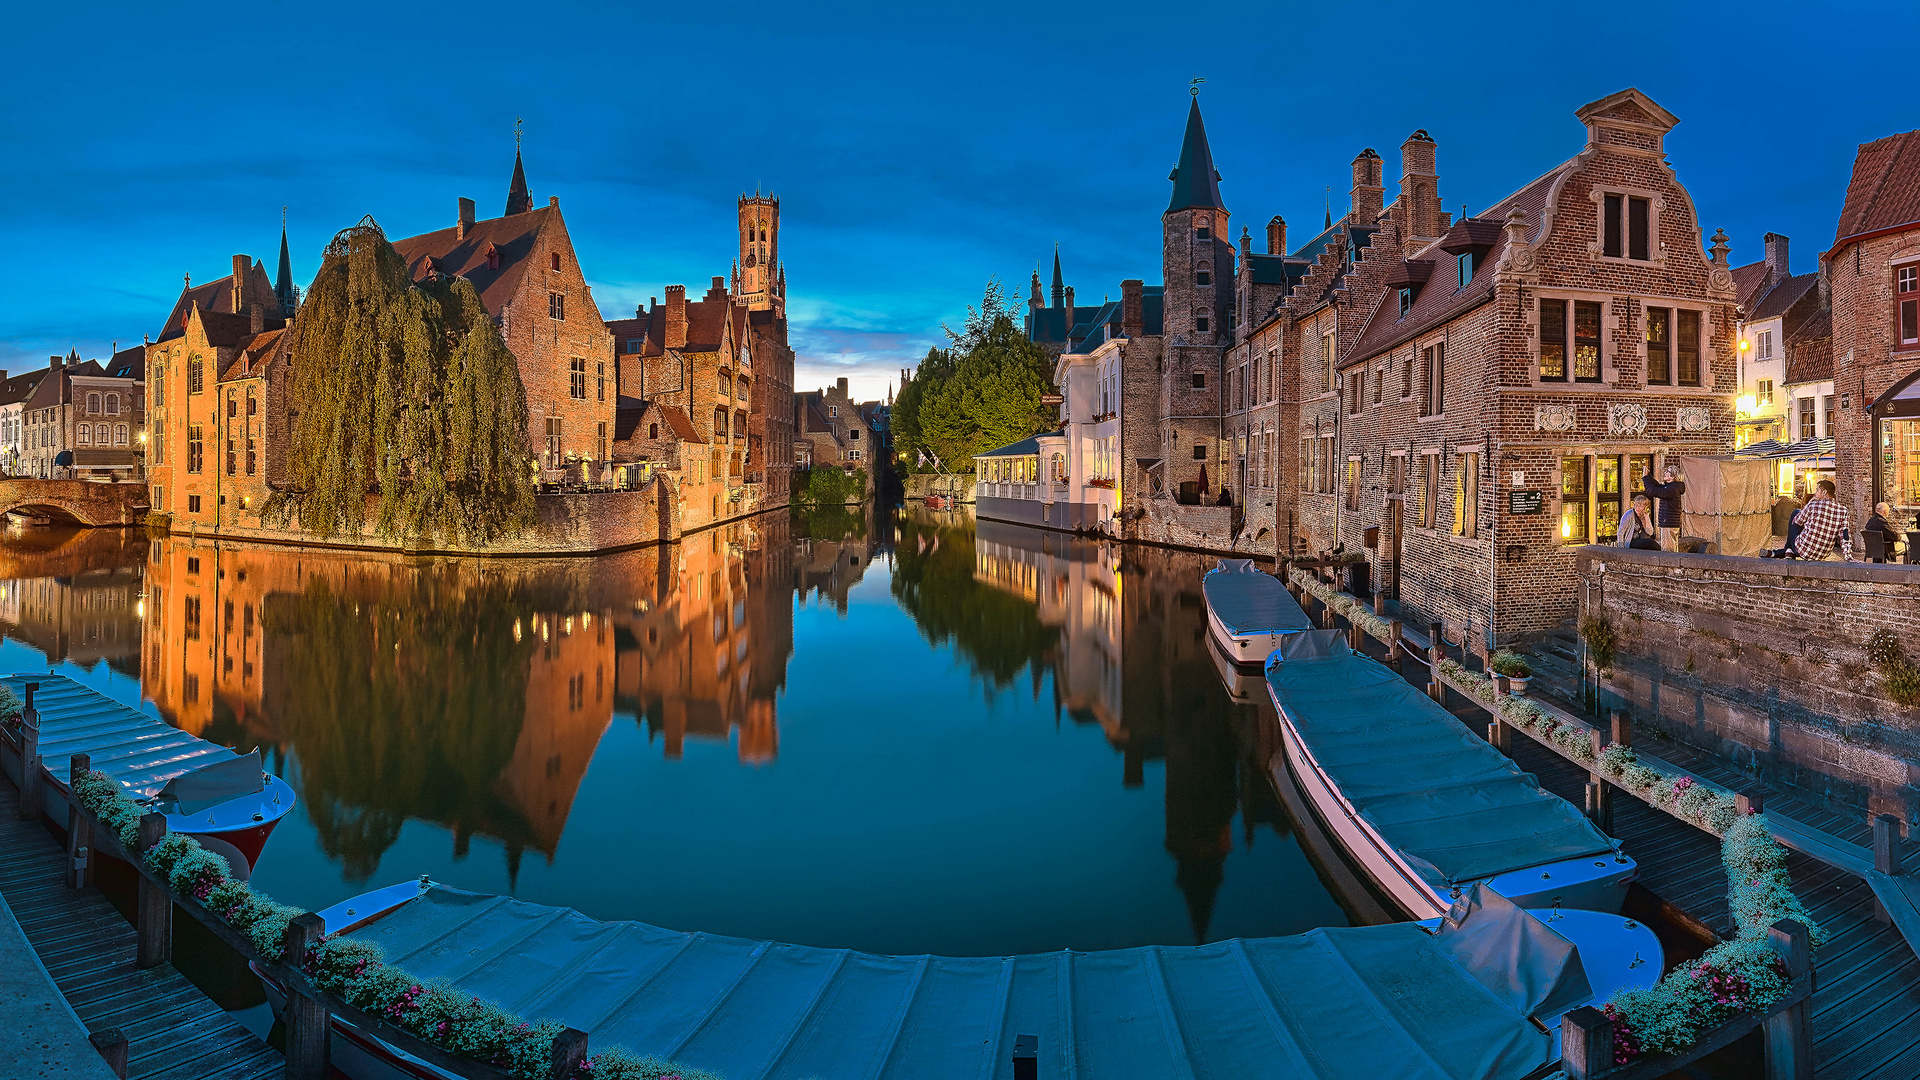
(981, 393)
(406, 389)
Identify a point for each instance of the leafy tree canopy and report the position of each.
(406, 389)
(981, 392)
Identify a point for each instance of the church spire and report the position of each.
(1059, 286)
(518, 199)
(1195, 181)
(283, 281)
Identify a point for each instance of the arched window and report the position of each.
(93, 404)
(1059, 468)
(113, 404)
(653, 431)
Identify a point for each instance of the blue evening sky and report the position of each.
(917, 149)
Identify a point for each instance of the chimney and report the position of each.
(843, 387)
(1277, 236)
(53, 363)
(465, 223)
(1132, 318)
(1364, 199)
(240, 264)
(1069, 307)
(1776, 256)
(258, 313)
(1420, 186)
(676, 316)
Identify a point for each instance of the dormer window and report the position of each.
(1466, 268)
(1406, 299)
(493, 257)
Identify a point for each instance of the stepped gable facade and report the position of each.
(1873, 280)
(524, 266)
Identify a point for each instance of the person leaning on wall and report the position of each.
(1636, 525)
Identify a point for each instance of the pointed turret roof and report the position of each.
(1059, 286)
(518, 200)
(1195, 181)
(283, 281)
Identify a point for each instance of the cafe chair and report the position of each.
(1876, 545)
(1913, 546)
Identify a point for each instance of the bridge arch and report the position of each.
(81, 502)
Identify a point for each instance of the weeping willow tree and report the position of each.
(406, 389)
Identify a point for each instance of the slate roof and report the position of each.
(814, 420)
(21, 387)
(1885, 189)
(1085, 336)
(1439, 300)
(454, 256)
(1810, 350)
(1052, 324)
(128, 363)
(1196, 183)
(1284, 270)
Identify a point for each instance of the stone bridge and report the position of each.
(82, 502)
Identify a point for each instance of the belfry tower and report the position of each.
(761, 280)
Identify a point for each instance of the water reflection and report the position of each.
(622, 719)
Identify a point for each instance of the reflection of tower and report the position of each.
(569, 705)
(761, 281)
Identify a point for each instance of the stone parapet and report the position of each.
(1765, 663)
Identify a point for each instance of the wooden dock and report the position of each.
(173, 1031)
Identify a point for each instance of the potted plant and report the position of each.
(1515, 668)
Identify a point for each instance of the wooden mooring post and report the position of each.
(1599, 792)
(79, 828)
(30, 758)
(1396, 649)
(153, 908)
(309, 1038)
(1436, 652)
(1788, 1034)
(1888, 858)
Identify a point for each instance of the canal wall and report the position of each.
(580, 523)
(1765, 662)
(958, 486)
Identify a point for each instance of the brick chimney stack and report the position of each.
(1069, 295)
(1420, 187)
(465, 224)
(676, 316)
(843, 386)
(1132, 317)
(53, 363)
(1365, 197)
(1776, 256)
(240, 265)
(1277, 236)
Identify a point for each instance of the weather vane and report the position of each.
(516, 134)
(1193, 87)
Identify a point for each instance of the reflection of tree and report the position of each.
(829, 522)
(405, 704)
(1000, 633)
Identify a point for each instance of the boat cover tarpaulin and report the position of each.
(1455, 807)
(1247, 601)
(1335, 1004)
(138, 749)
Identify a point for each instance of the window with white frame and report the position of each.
(1763, 391)
(1763, 345)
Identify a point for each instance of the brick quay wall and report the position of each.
(1765, 663)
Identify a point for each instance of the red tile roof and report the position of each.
(1810, 350)
(214, 295)
(456, 256)
(1438, 302)
(255, 352)
(1885, 190)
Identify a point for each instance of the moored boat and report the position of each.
(1249, 612)
(1424, 806)
(219, 797)
(1492, 981)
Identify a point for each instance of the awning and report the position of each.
(101, 459)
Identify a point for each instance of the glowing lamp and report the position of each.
(1566, 530)
(1744, 346)
(1747, 404)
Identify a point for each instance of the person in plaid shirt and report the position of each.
(1823, 526)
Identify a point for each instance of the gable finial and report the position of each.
(518, 126)
(1193, 86)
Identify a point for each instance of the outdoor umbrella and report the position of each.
(1203, 479)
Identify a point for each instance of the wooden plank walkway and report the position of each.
(174, 1032)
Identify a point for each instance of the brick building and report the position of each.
(832, 429)
(711, 382)
(1465, 401)
(1873, 282)
(78, 419)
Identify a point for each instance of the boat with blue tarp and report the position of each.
(1472, 996)
(1423, 805)
(1249, 611)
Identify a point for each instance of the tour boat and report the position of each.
(1249, 611)
(1425, 807)
(219, 797)
(1475, 995)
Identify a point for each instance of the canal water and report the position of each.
(897, 733)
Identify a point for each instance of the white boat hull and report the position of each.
(1593, 884)
(1245, 650)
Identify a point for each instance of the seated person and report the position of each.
(1881, 522)
(1636, 526)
